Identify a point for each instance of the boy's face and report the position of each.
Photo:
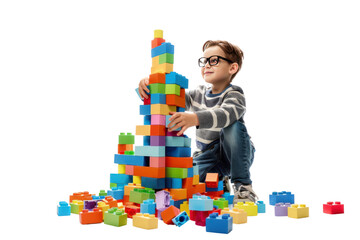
(218, 73)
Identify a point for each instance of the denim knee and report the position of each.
(234, 133)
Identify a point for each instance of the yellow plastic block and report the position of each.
(155, 61)
(162, 109)
(137, 179)
(128, 188)
(250, 208)
(143, 130)
(239, 215)
(103, 206)
(195, 179)
(162, 68)
(121, 168)
(145, 221)
(185, 207)
(158, 33)
(298, 212)
(76, 206)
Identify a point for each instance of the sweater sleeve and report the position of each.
(189, 97)
(232, 108)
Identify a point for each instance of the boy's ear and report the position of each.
(234, 68)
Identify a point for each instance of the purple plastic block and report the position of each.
(162, 199)
(157, 140)
(90, 204)
(281, 209)
(172, 133)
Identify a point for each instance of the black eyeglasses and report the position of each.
(213, 60)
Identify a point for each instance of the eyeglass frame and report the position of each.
(208, 60)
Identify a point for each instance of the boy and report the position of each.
(224, 145)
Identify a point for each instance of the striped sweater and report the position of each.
(215, 111)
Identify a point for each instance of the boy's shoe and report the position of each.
(244, 193)
(226, 182)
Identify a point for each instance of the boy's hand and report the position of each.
(143, 87)
(182, 120)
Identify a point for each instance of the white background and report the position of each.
(68, 70)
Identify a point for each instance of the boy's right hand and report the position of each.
(143, 87)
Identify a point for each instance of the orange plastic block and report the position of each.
(128, 188)
(157, 42)
(196, 179)
(126, 199)
(157, 78)
(212, 180)
(172, 99)
(90, 217)
(168, 214)
(110, 201)
(80, 196)
(187, 183)
(214, 194)
(143, 130)
(149, 172)
(182, 93)
(125, 147)
(179, 162)
(157, 130)
(178, 193)
(129, 170)
(199, 188)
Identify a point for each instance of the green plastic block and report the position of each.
(166, 58)
(129, 152)
(176, 172)
(126, 139)
(139, 195)
(157, 88)
(76, 206)
(115, 217)
(113, 185)
(221, 203)
(172, 89)
(102, 193)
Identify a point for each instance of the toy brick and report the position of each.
(199, 217)
(121, 168)
(102, 193)
(172, 89)
(125, 147)
(281, 209)
(172, 99)
(165, 47)
(199, 188)
(196, 179)
(178, 129)
(157, 78)
(157, 130)
(147, 120)
(76, 206)
(175, 78)
(147, 101)
(179, 162)
(158, 33)
(139, 195)
(196, 170)
(145, 109)
(162, 68)
(212, 180)
(130, 187)
(166, 58)
(126, 139)
(137, 91)
(185, 207)
(261, 206)
(190, 172)
(157, 42)
(214, 195)
(80, 196)
(131, 160)
(157, 119)
(176, 172)
(146, 140)
(174, 141)
(115, 217)
(228, 197)
(178, 151)
(157, 88)
(162, 199)
(162, 109)
(131, 210)
(220, 203)
(91, 217)
(219, 223)
(187, 182)
(278, 197)
(180, 109)
(149, 172)
(120, 179)
(143, 130)
(89, 204)
(103, 207)
(137, 179)
(200, 203)
(145, 221)
(148, 206)
(181, 219)
(114, 185)
(178, 194)
(155, 61)
(239, 215)
(173, 133)
(187, 142)
(168, 214)
(63, 209)
(110, 201)
(154, 183)
(250, 208)
(157, 162)
(177, 203)
(220, 186)
(150, 151)
(173, 183)
(331, 208)
(296, 211)
(158, 98)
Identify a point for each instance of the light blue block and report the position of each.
(63, 209)
(147, 120)
(196, 170)
(228, 197)
(176, 183)
(158, 98)
(176, 78)
(148, 206)
(261, 206)
(187, 142)
(120, 179)
(116, 192)
(201, 203)
(190, 172)
(171, 141)
(165, 47)
(131, 160)
(145, 109)
(151, 151)
(168, 122)
(181, 219)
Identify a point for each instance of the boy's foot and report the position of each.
(226, 183)
(244, 193)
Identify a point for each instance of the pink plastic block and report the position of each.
(157, 119)
(157, 162)
(129, 170)
(173, 133)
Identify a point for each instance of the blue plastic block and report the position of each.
(116, 192)
(190, 172)
(158, 98)
(178, 152)
(63, 209)
(228, 197)
(175, 78)
(219, 188)
(201, 203)
(131, 160)
(281, 197)
(98, 197)
(187, 142)
(174, 141)
(165, 47)
(150, 151)
(172, 202)
(145, 109)
(177, 203)
(219, 223)
(154, 183)
(181, 219)
(146, 140)
(180, 109)
(120, 179)
(168, 182)
(196, 170)
(261, 206)
(176, 183)
(147, 120)
(167, 123)
(137, 91)
(148, 206)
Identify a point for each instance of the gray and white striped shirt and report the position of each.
(215, 111)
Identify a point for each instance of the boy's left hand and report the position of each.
(182, 120)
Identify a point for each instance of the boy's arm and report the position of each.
(232, 108)
(189, 96)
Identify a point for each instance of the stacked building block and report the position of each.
(200, 207)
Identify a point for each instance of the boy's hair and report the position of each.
(232, 52)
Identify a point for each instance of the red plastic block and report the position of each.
(179, 162)
(331, 208)
(157, 42)
(131, 210)
(199, 217)
(157, 78)
(168, 214)
(212, 180)
(214, 194)
(90, 217)
(147, 101)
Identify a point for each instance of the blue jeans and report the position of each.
(231, 155)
